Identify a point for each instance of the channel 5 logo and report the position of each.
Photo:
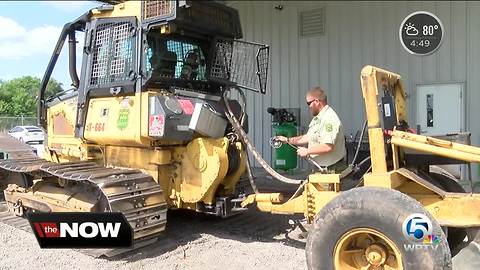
(418, 229)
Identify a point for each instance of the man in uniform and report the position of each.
(325, 137)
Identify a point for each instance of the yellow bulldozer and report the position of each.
(152, 124)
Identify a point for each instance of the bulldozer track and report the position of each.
(15, 221)
(14, 148)
(129, 191)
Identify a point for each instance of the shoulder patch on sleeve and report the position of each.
(328, 127)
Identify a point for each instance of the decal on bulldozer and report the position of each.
(122, 121)
(186, 105)
(156, 124)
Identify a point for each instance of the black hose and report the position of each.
(250, 175)
(359, 143)
(241, 133)
(362, 162)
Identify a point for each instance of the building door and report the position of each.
(440, 111)
(440, 108)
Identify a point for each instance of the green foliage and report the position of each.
(19, 96)
(53, 87)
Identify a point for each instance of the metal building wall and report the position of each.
(357, 34)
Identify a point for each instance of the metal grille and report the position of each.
(243, 63)
(112, 53)
(312, 22)
(221, 64)
(152, 9)
(100, 57)
(262, 67)
(181, 49)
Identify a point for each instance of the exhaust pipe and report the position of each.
(72, 59)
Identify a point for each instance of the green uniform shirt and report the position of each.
(327, 128)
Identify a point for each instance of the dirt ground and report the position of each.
(253, 240)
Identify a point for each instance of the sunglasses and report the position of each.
(310, 102)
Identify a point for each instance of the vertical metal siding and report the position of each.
(357, 33)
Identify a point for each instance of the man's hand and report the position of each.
(303, 152)
(283, 139)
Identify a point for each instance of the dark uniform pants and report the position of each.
(337, 167)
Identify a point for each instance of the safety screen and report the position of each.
(262, 67)
(175, 59)
(220, 68)
(242, 63)
(183, 52)
(112, 53)
(152, 9)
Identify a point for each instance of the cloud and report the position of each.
(17, 42)
(68, 6)
(10, 28)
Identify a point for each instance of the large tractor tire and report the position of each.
(362, 229)
(455, 236)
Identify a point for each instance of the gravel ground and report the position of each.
(252, 240)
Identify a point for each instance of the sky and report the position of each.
(29, 31)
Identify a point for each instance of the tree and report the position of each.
(53, 87)
(19, 96)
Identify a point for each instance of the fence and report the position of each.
(8, 122)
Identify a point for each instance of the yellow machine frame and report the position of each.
(449, 209)
(189, 173)
(202, 163)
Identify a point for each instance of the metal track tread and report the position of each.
(15, 221)
(22, 165)
(132, 192)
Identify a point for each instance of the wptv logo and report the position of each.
(81, 230)
(419, 230)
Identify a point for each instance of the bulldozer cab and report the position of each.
(171, 46)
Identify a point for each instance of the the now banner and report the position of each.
(81, 230)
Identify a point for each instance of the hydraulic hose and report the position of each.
(250, 175)
(243, 136)
(358, 144)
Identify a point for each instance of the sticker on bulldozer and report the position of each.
(122, 121)
(156, 125)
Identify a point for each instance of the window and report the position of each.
(112, 53)
(185, 52)
(16, 129)
(33, 129)
(170, 58)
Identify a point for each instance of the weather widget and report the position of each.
(421, 33)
